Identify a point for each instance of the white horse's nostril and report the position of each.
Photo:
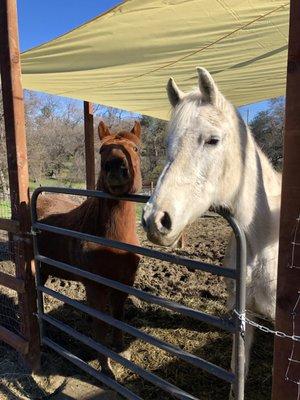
(163, 222)
(166, 221)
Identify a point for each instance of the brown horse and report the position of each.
(114, 219)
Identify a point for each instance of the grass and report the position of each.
(139, 211)
(56, 183)
(5, 209)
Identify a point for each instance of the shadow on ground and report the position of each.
(16, 380)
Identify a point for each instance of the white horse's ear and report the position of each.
(174, 93)
(207, 86)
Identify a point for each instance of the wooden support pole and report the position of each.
(12, 282)
(14, 117)
(9, 225)
(15, 341)
(89, 145)
(285, 371)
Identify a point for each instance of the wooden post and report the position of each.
(151, 187)
(13, 106)
(89, 145)
(289, 262)
(182, 240)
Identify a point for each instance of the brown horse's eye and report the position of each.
(135, 149)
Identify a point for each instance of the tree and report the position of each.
(55, 138)
(154, 147)
(268, 129)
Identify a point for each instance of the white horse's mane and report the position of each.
(214, 160)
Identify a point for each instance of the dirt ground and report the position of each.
(206, 240)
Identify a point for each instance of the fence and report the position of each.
(234, 325)
(18, 300)
(11, 322)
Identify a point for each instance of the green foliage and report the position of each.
(268, 129)
(5, 209)
(154, 148)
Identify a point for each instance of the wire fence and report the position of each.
(291, 374)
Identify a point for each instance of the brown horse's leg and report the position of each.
(97, 298)
(117, 307)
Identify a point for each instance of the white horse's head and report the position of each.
(203, 151)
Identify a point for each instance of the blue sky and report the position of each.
(43, 20)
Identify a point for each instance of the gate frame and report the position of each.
(235, 325)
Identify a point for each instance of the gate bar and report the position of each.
(194, 360)
(240, 307)
(192, 264)
(149, 376)
(128, 394)
(135, 198)
(218, 322)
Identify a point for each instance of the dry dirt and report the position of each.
(206, 240)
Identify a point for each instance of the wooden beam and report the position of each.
(9, 225)
(14, 113)
(89, 145)
(14, 116)
(12, 282)
(15, 341)
(285, 371)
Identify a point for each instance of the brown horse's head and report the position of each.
(120, 160)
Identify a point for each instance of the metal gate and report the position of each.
(233, 325)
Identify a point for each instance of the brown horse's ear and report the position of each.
(103, 130)
(137, 130)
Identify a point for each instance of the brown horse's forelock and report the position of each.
(121, 142)
(122, 138)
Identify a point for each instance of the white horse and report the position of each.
(214, 161)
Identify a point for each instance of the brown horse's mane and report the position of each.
(102, 217)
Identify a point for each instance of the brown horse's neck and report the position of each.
(114, 219)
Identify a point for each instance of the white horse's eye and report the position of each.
(212, 141)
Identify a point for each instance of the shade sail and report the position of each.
(124, 57)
